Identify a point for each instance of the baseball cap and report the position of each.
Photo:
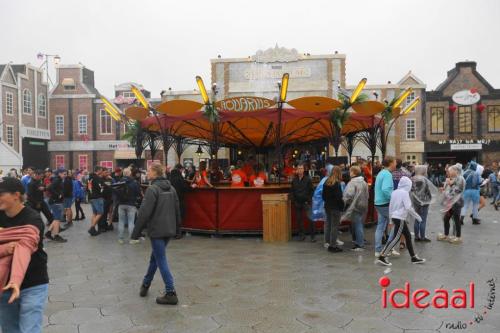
(11, 185)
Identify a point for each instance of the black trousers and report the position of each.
(300, 209)
(453, 213)
(78, 207)
(400, 228)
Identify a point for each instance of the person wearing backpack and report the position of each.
(160, 214)
(126, 191)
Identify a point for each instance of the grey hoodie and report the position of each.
(159, 211)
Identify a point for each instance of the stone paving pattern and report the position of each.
(243, 285)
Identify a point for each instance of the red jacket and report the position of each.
(16, 264)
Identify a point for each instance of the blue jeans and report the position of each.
(126, 215)
(382, 221)
(25, 315)
(159, 260)
(57, 211)
(97, 206)
(471, 197)
(357, 224)
(419, 227)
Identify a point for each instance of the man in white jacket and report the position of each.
(400, 207)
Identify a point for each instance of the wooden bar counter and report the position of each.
(237, 210)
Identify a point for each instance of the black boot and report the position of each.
(476, 221)
(462, 220)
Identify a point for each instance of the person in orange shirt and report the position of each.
(367, 172)
(238, 177)
(248, 167)
(289, 170)
(201, 177)
(259, 178)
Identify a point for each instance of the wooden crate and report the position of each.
(276, 218)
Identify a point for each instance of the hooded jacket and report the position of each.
(356, 198)
(159, 211)
(400, 205)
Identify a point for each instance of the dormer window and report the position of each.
(68, 84)
(128, 94)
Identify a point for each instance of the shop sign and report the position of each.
(466, 146)
(276, 73)
(244, 104)
(35, 133)
(459, 141)
(466, 97)
(89, 145)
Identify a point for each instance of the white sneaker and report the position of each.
(395, 253)
(121, 242)
(326, 245)
(442, 237)
(377, 254)
(339, 242)
(134, 241)
(455, 240)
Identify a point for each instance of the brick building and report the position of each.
(462, 118)
(24, 112)
(83, 133)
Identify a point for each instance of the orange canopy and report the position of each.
(308, 120)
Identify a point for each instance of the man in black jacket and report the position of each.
(67, 181)
(56, 199)
(35, 196)
(95, 185)
(160, 214)
(301, 192)
(127, 193)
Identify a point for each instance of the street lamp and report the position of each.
(199, 152)
(57, 60)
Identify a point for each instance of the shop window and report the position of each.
(27, 103)
(105, 118)
(82, 162)
(464, 119)
(9, 103)
(59, 125)
(107, 164)
(494, 118)
(82, 124)
(437, 120)
(411, 129)
(59, 161)
(10, 135)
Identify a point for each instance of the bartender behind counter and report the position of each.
(259, 178)
(238, 176)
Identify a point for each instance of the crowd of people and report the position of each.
(154, 201)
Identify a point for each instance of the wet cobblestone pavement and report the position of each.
(243, 285)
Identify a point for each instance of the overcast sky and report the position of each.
(163, 44)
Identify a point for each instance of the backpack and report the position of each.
(122, 191)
